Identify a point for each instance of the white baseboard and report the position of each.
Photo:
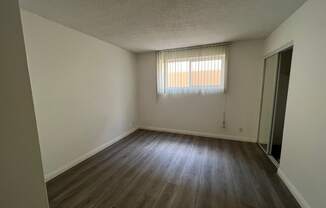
(295, 192)
(203, 134)
(71, 164)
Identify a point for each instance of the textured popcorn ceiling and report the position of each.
(144, 25)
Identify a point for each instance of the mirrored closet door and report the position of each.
(267, 102)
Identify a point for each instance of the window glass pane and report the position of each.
(206, 73)
(206, 65)
(178, 74)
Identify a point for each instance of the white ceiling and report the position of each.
(143, 25)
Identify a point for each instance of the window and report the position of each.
(197, 70)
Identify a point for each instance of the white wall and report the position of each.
(204, 113)
(303, 159)
(84, 91)
(21, 176)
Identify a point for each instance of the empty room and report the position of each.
(163, 104)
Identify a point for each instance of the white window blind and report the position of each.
(192, 70)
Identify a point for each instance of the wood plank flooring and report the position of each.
(155, 169)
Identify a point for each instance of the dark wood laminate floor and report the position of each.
(154, 169)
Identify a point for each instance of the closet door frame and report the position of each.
(269, 146)
(275, 103)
